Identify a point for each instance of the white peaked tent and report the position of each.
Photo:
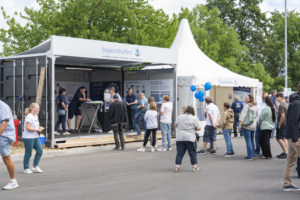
(193, 62)
(195, 68)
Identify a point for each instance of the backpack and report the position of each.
(249, 119)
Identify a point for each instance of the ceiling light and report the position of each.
(76, 68)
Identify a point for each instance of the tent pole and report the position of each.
(22, 96)
(175, 87)
(52, 88)
(46, 93)
(36, 72)
(14, 88)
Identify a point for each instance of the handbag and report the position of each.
(61, 112)
(249, 119)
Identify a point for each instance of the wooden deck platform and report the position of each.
(99, 140)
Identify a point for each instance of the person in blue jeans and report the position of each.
(186, 125)
(61, 112)
(247, 125)
(142, 105)
(166, 123)
(228, 119)
(237, 108)
(131, 102)
(31, 139)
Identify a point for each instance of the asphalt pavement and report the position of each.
(133, 175)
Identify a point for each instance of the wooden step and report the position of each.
(100, 141)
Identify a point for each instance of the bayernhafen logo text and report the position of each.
(120, 53)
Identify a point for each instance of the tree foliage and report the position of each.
(123, 21)
(235, 34)
(274, 49)
(248, 20)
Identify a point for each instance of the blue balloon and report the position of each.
(201, 94)
(193, 88)
(201, 99)
(197, 95)
(20, 97)
(207, 86)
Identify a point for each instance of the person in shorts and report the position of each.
(281, 125)
(73, 109)
(210, 130)
(7, 136)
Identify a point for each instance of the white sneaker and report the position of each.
(141, 150)
(37, 169)
(169, 149)
(11, 185)
(152, 149)
(27, 171)
(66, 133)
(161, 149)
(56, 133)
(110, 132)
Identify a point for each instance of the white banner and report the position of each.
(155, 88)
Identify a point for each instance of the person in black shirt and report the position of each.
(131, 102)
(117, 116)
(79, 97)
(61, 111)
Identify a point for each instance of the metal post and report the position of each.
(52, 100)
(22, 95)
(285, 50)
(36, 73)
(46, 93)
(175, 90)
(14, 88)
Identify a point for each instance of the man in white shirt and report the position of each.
(165, 123)
(210, 131)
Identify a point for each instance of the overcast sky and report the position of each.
(169, 6)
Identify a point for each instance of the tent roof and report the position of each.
(85, 52)
(193, 62)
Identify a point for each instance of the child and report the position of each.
(228, 119)
(31, 138)
(151, 124)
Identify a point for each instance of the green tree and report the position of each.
(248, 20)
(222, 44)
(123, 21)
(274, 49)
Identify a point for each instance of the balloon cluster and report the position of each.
(200, 94)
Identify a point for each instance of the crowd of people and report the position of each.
(255, 121)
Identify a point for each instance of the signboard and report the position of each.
(97, 88)
(287, 92)
(241, 93)
(155, 88)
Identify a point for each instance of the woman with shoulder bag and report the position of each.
(186, 125)
(247, 124)
(61, 111)
(266, 124)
